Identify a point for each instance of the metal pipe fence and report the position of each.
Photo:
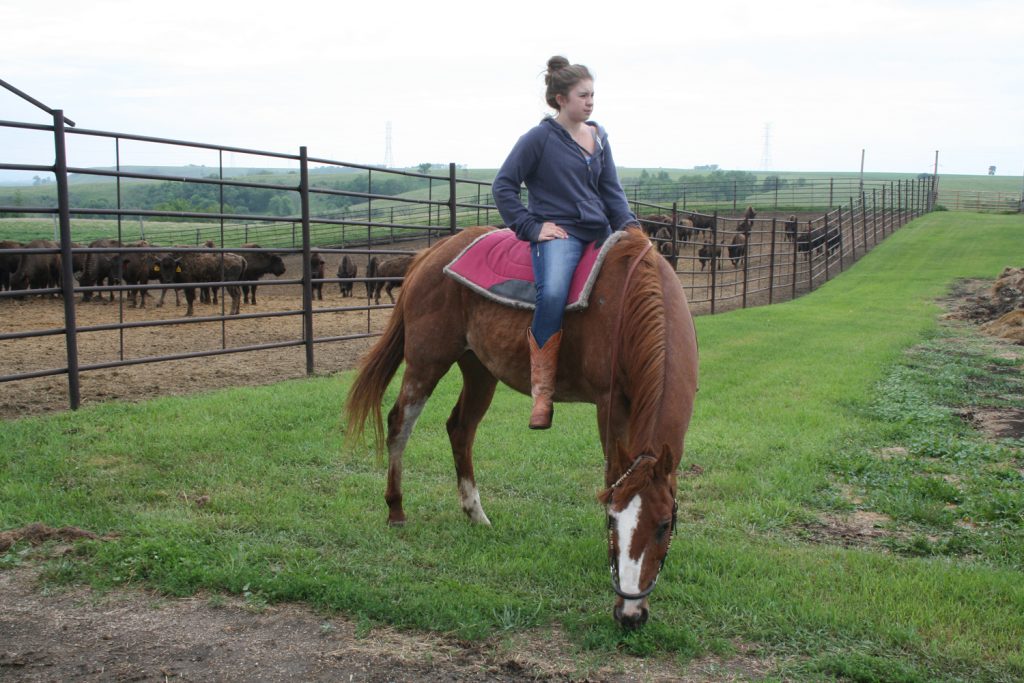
(979, 201)
(732, 261)
(829, 228)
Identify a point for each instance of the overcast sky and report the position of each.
(803, 85)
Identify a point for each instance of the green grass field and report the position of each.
(798, 402)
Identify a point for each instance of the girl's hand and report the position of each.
(550, 231)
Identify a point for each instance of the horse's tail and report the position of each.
(376, 370)
(643, 343)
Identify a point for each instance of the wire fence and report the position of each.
(979, 201)
(723, 260)
(728, 261)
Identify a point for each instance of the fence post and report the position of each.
(734, 192)
(307, 270)
(714, 258)
(453, 222)
(746, 260)
(675, 236)
(831, 183)
(810, 256)
(864, 218)
(771, 265)
(863, 222)
(884, 213)
(842, 259)
(901, 203)
(60, 170)
(792, 294)
(776, 207)
(875, 216)
(827, 251)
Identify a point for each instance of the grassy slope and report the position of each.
(784, 390)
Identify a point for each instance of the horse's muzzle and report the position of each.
(631, 622)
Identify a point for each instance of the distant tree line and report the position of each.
(191, 197)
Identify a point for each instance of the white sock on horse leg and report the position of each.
(471, 502)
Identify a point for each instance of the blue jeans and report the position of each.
(554, 262)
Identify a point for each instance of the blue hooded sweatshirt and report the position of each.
(579, 193)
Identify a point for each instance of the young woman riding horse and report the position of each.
(574, 199)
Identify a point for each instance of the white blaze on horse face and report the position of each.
(471, 502)
(629, 569)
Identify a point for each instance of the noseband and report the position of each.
(613, 566)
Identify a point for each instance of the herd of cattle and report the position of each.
(672, 236)
(141, 262)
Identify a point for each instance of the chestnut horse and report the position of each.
(632, 353)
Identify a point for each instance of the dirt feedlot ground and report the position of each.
(182, 376)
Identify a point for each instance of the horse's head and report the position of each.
(641, 512)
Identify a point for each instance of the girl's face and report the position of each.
(579, 104)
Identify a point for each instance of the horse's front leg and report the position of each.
(478, 386)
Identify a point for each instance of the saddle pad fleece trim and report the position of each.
(497, 265)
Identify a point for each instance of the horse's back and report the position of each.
(446, 319)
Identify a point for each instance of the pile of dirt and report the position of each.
(37, 534)
(999, 309)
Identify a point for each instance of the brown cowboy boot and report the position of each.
(543, 367)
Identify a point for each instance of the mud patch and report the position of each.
(996, 423)
(37, 534)
(855, 530)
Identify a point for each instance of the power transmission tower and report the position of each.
(388, 161)
(766, 151)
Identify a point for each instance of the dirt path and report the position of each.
(134, 635)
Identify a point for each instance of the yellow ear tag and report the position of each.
(156, 268)
(177, 269)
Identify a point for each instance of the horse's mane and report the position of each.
(642, 353)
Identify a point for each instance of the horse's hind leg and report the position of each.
(417, 385)
(477, 391)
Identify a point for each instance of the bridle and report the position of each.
(612, 564)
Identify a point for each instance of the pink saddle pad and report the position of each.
(497, 265)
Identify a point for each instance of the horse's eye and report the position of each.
(663, 529)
